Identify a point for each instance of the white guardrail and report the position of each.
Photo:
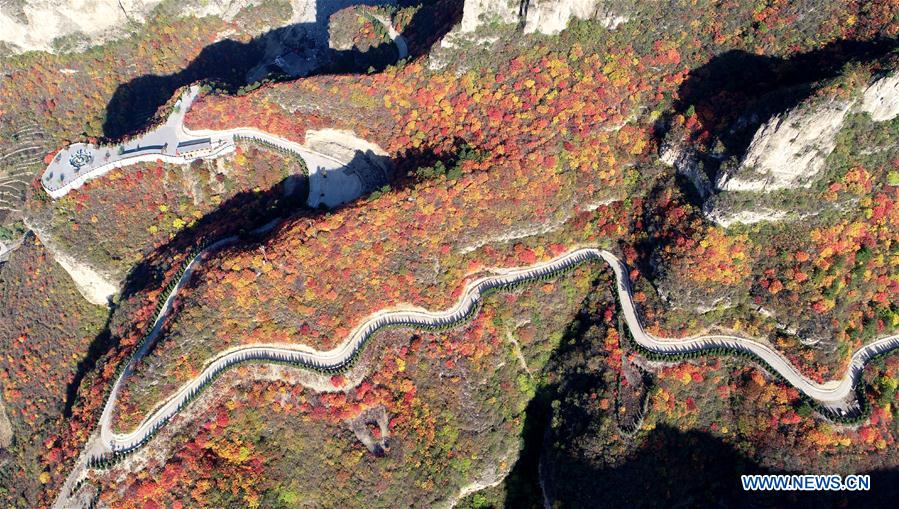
(833, 394)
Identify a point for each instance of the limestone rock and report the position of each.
(477, 13)
(543, 16)
(881, 99)
(757, 215)
(789, 150)
(36, 24)
(552, 16)
(686, 162)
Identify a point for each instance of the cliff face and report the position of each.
(35, 24)
(790, 151)
(477, 13)
(881, 99)
(543, 16)
(39, 25)
(552, 16)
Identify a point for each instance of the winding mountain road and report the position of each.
(836, 394)
(833, 394)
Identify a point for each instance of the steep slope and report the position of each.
(46, 329)
(787, 158)
(881, 98)
(544, 16)
(559, 134)
(52, 25)
(790, 150)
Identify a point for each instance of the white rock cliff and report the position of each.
(789, 150)
(552, 16)
(477, 13)
(543, 16)
(34, 25)
(881, 99)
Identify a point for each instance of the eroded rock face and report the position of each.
(757, 215)
(477, 13)
(36, 24)
(552, 16)
(881, 99)
(685, 160)
(543, 16)
(362, 167)
(483, 19)
(789, 150)
(95, 287)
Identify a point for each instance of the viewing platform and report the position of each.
(74, 165)
(351, 170)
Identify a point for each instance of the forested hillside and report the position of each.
(739, 157)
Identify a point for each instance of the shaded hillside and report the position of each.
(45, 324)
(229, 65)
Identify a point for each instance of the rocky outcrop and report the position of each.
(789, 150)
(477, 13)
(686, 162)
(495, 473)
(95, 287)
(340, 144)
(8, 246)
(36, 24)
(542, 16)
(5, 428)
(881, 99)
(363, 426)
(756, 215)
(552, 16)
(485, 21)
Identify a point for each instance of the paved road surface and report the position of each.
(329, 184)
(834, 394)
